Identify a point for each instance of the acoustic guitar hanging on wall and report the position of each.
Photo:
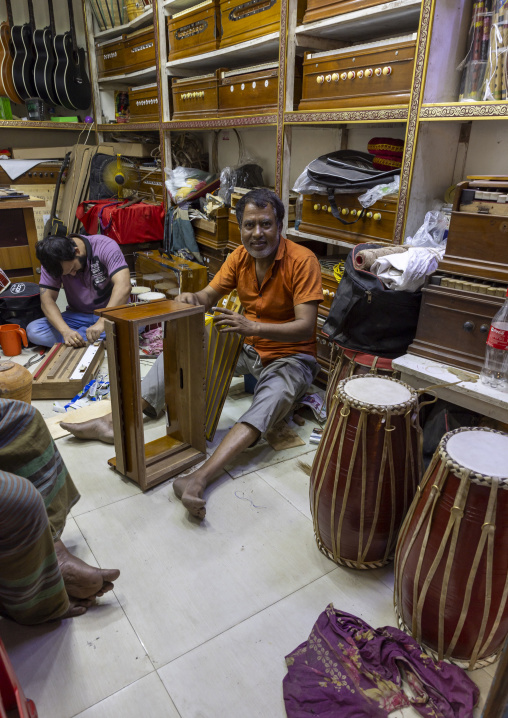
(24, 58)
(72, 84)
(7, 88)
(45, 60)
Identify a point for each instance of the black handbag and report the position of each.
(20, 304)
(347, 172)
(368, 317)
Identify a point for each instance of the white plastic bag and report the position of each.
(432, 232)
(406, 272)
(371, 196)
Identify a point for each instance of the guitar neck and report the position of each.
(51, 18)
(72, 26)
(9, 13)
(31, 14)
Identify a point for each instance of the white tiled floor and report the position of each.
(203, 614)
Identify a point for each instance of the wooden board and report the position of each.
(52, 380)
(321, 9)
(195, 30)
(76, 416)
(177, 273)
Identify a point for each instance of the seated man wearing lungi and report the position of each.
(279, 286)
(40, 580)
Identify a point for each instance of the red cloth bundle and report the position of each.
(125, 223)
(387, 152)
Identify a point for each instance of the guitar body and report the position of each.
(45, 63)
(71, 80)
(7, 88)
(24, 61)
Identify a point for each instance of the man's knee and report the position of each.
(22, 512)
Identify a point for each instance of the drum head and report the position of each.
(376, 391)
(139, 290)
(482, 451)
(150, 296)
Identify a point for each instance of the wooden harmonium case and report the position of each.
(454, 323)
(140, 50)
(477, 244)
(43, 173)
(213, 258)
(195, 96)
(378, 222)
(213, 233)
(66, 371)
(249, 90)
(244, 20)
(144, 103)
(152, 184)
(234, 234)
(171, 276)
(321, 9)
(111, 57)
(372, 74)
(195, 30)
(330, 284)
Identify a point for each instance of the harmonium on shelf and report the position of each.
(152, 184)
(377, 222)
(43, 173)
(195, 30)
(371, 74)
(111, 57)
(460, 301)
(144, 103)
(195, 96)
(249, 90)
(322, 9)
(66, 371)
(244, 20)
(140, 50)
(171, 276)
(212, 233)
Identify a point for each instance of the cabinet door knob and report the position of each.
(468, 326)
(484, 328)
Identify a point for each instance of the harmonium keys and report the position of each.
(195, 96)
(111, 57)
(249, 90)
(367, 75)
(377, 222)
(140, 50)
(242, 21)
(194, 31)
(144, 103)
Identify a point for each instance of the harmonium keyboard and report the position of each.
(140, 50)
(169, 275)
(377, 223)
(195, 30)
(144, 103)
(111, 57)
(244, 20)
(66, 371)
(322, 9)
(366, 75)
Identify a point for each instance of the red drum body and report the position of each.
(451, 563)
(366, 470)
(348, 362)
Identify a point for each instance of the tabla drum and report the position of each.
(136, 292)
(151, 297)
(349, 362)
(366, 470)
(451, 563)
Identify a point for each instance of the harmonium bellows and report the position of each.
(140, 50)
(195, 30)
(377, 223)
(244, 20)
(195, 96)
(367, 75)
(66, 371)
(144, 103)
(111, 57)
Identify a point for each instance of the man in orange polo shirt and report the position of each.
(279, 286)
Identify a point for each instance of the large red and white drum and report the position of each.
(366, 470)
(451, 563)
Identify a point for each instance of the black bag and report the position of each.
(347, 171)
(368, 317)
(20, 304)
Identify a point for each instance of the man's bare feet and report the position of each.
(190, 490)
(77, 607)
(179, 486)
(100, 429)
(82, 581)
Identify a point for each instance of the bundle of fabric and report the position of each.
(347, 668)
(387, 152)
(365, 258)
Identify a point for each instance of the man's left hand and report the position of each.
(94, 332)
(229, 321)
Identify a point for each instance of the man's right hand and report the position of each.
(188, 298)
(72, 338)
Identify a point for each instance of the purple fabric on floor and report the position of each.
(347, 668)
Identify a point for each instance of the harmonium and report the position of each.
(195, 96)
(195, 30)
(43, 173)
(460, 301)
(111, 57)
(377, 223)
(212, 232)
(144, 103)
(66, 371)
(152, 184)
(140, 50)
(249, 90)
(366, 75)
(248, 19)
(322, 9)
(169, 275)
(213, 258)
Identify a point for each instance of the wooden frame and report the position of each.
(184, 370)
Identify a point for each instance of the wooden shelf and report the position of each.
(132, 78)
(392, 18)
(359, 115)
(298, 236)
(464, 111)
(173, 6)
(140, 21)
(212, 123)
(44, 125)
(244, 53)
(128, 126)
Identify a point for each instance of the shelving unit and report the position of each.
(140, 21)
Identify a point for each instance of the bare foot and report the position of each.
(179, 486)
(100, 429)
(192, 497)
(77, 607)
(82, 581)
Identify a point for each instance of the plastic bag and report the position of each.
(248, 174)
(376, 193)
(433, 232)
(406, 272)
(184, 182)
(305, 185)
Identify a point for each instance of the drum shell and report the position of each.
(411, 543)
(330, 470)
(15, 382)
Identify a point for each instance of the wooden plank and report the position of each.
(76, 416)
(115, 393)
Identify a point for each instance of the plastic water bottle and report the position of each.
(495, 367)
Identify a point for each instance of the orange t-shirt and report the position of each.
(294, 278)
